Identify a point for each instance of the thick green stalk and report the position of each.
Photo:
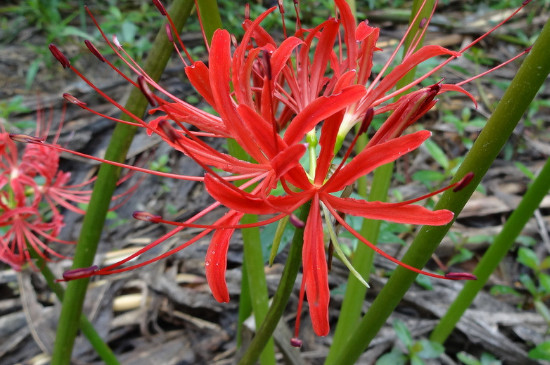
(363, 256)
(256, 282)
(280, 299)
(104, 188)
(494, 255)
(500, 126)
(210, 16)
(102, 349)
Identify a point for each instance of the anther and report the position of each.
(464, 182)
(169, 131)
(295, 342)
(460, 276)
(63, 60)
(146, 217)
(422, 23)
(79, 273)
(94, 50)
(160, 7)
(117, 43)
(169, 33)
(247, 11)
(267, 62)
(72, 99)
(23, 138)
(144, 87)
(296, 222)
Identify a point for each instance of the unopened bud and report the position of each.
(72, 99)
(23, 138)
(160, 7)
(460, 276)
(146, 217)
(295, 342)
(79, 273)
(464, 182)
(94, 50)
(63, 60)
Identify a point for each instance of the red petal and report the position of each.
(329, 133)
(216, 258)
(315, 270)
(408, 214)
(373, 157)
(320, 109)
(248, 203)
(199, 78)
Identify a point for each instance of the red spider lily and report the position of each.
(270, 97)
(32, 187)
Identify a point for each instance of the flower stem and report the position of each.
(102, 349)
(256, 282)
(280, 299)
(104, 188)
(500, 126)
(494, 255)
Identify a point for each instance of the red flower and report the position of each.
(271, 98)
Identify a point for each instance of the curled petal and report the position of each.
(407, 214)
(216, 258)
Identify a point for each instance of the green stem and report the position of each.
(102, 349)
(494, 255)
(256, 282)
(210, 16)
(280, 299)
(500, 126)
(104, 188)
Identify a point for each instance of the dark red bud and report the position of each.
(367, 120)
(295, 342)
(63, 60)
(247, 11)
(144, 87)
(169, 33)
(146, 217)
(72, 99)
(460, 276)
(169, 131)
(94, 50)
(464, 182)
(23, 138)
(160, 7)
(296, 222)
(79, 273)
(525, 2)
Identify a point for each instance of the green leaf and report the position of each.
(394, 357)
(467, 359)
(430, 350)
(437, 153)
(529, 258)
(424, 281)
(488, 359)
(521, 167)
(403, 332)
(503, 290)
(416, 360)
(544, 280)
(463, 255)
(427, 177)
(528, 283)
(541, 352)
